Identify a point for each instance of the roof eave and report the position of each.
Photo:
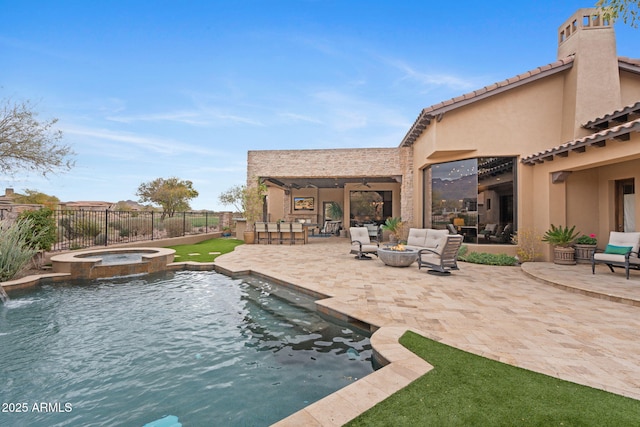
(438, 110)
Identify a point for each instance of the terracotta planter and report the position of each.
(249, 237)
(564, 255)
(584, 253)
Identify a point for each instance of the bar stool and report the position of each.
(274, 233)
(261, 232)
(297, 233)
(285, 232)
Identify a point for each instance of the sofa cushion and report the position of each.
(436, 239)
(416, 236)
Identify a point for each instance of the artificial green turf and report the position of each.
(468, 390)
(204, 249)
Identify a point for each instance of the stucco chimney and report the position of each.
(8, 192)
(594, 78)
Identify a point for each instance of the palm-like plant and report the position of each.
(560, 236)
(393, 226)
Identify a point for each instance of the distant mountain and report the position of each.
(459, 189)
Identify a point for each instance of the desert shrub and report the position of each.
(15, 249)
(66, 225)
(529, 245)
(43, 231)
(124, 232)
(485, 258)
(100, 239)
(175, 227)
(87, 228)
(140, 226)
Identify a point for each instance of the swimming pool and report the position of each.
(198, 345)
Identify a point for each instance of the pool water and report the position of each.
(206, 348)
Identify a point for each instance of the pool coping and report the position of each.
(399, 368)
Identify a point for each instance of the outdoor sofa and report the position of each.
(437, 249)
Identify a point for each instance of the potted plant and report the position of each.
(394, 227)
(585, 247)
(561, 238)
(253, 204)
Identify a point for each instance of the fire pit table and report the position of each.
(397, 256)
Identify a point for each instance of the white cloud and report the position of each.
(149, 143)
(193, 118)
(301, 118)
(428, 80)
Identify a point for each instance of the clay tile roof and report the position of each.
(624, 114)
(597, 139)
(493, 89)
(630, 61)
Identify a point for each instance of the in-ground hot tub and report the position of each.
(97, 263)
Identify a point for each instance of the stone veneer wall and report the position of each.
(341, 162)
(346, 162)
(406, 191)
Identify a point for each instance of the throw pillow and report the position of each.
(617, 250)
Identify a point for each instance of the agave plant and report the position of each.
(393, 226)
(560, 236)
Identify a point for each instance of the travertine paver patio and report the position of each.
(503, 313)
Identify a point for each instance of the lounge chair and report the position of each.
(621, 251)
(442, 259)
(361, 244)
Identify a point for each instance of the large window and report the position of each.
(476, 196)
(369, 207)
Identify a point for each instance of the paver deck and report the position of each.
(558, 320)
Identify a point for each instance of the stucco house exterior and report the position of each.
(559, 144)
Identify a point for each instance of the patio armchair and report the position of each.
(621, 251)
(502, 235)
(441, 259)
(361, 244)
(488, 231)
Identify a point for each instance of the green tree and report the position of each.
(234, 197)
(171, 194)
(38, 198)
(27, 143)
(247, 200)
(42, 233)
(253, 202)
(627, 10)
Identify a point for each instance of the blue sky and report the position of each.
(150, 89)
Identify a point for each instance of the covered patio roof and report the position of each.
(288, 183)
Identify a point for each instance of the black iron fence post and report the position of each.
(106, 227)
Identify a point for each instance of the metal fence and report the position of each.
(77, 229)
